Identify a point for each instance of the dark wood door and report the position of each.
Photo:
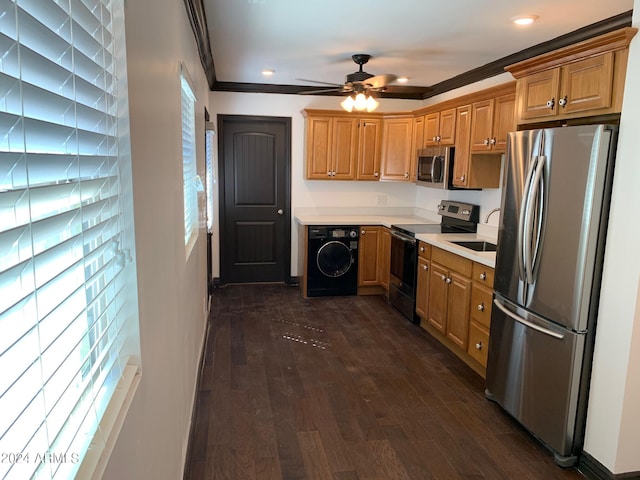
(255, 199)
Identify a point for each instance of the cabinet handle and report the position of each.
(328, 173)
(492, 141)
(563, 102)
(551, 103)
(376, 174)
(422, 249)
(481, 307)
(444, 278)
(406, 174)
(438, 138)
(434, 139)
(461, 178)
(486, 141)
(362, 232)
(424, 267)
(483, 276)
(448, 280)
(479, 346)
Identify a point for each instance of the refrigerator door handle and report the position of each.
(535, 220)
(523, 221)
(529, 324)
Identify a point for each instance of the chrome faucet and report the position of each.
(486, 219)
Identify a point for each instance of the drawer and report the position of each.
(483, 274)
(478, 343)
(451, 260)
(481, 304)
(424, 250)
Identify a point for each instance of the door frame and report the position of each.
(286, 121)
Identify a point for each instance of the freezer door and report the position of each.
(533, 372)
(550, 226)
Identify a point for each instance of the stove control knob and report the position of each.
(354, 234)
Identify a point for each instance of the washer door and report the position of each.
(334, 259)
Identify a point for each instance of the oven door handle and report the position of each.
(403, 237)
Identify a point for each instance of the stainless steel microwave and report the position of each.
(433, 166)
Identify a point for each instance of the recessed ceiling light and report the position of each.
(402, 79)
(268, 73)
(524, 19)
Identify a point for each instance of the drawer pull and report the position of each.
(481, 306)
(479, 346)
(424, 267)
(421, 249)
(483, 276)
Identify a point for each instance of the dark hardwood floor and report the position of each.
(344, 388)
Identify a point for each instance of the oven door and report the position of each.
(402, 278)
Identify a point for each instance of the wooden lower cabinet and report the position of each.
(374, 258)
(368, 256)
(453, 301)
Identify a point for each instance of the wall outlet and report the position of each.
(381, 200)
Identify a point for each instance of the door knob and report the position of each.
(280, 211)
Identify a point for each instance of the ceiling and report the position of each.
(429, 42)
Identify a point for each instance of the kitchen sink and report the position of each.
(478, 246)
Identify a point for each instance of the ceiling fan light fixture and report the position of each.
(361, 102)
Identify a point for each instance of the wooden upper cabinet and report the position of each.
(440, 128)
(587, 85)
(397, 134)
(580, 80)
(491, 120)
(583, 86)
(462, 153)
(368, 157)
(319, 149)
(504, 120)
(481, 125)
(344, 146)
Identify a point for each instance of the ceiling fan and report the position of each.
(362, 84)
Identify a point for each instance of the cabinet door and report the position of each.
(396, 148)
(587, 84)
(431, 129)
(458, 309)
(504, 121)
(384, 257)
(422, 288)
(463, 130)
(478, 348)
(368, 256)
(369, 137)
(481, 124)
(417, 143)
(344, 148)
(438, 294)
(319, 136)
(447, 131)
(535, 91)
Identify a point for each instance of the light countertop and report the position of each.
(443, 241)
(440, 240)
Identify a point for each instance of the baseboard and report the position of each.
(194, 411)
(594, 470)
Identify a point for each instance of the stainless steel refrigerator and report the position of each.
(555, 203)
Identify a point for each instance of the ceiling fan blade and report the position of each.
(323, 90)
(380, 80)
(318, 81)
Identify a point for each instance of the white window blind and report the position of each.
(190, 178)
(209, 133)
(64, 315)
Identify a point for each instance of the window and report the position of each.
(189, 172)
(209, 133)
(68, 305)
